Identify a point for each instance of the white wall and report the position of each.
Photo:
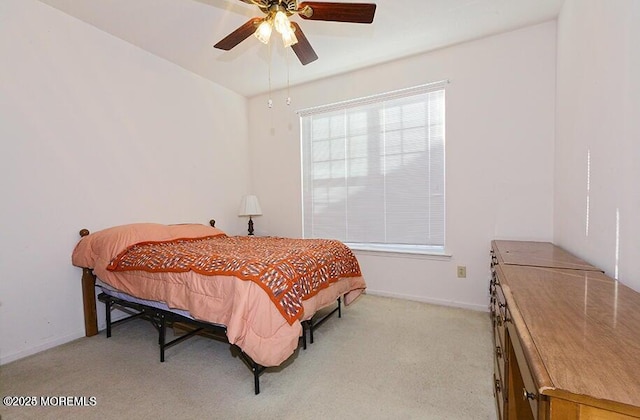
(598, 111)
(499, 156)
(96, 132)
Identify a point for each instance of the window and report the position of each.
(373, 171)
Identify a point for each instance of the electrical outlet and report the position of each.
(462, 271)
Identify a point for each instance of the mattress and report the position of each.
(105, 288)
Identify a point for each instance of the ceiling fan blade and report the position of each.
(303, 48)
(338, 12)
(239, 35)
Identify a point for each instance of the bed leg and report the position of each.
(162, 338)
(305, 325)
(313, 325)
(107, 309)
(89, 302)
(256, 368)
(256, 381)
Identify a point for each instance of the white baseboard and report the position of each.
(56, 342)
(441, 302)
(4, 359)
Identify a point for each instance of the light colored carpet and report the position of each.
(384, 359)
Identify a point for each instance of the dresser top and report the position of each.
(538, 254)
(585, 326)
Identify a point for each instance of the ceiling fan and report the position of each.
(277, 16)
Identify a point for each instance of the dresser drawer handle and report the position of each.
(528, 395)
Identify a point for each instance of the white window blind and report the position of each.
(373, 170)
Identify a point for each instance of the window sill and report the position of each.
(400, 251)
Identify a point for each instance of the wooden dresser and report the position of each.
(567, 337)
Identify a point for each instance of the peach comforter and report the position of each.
(253, 321)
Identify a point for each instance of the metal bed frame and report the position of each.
(160, 318)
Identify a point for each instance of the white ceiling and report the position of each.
(184, 32)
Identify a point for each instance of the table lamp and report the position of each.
(250, 207)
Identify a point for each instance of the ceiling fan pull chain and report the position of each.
(286, 58)
(270, 101)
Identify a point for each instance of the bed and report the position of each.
(261, 294)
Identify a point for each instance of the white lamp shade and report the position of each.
(263, 33)
(249, 206)
(281, 23)
(289, 38)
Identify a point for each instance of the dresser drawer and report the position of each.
(523, 392)
(499, 355)
(501, 313)
(494, 257)
(498, 393)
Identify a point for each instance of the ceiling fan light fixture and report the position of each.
(263, 33)
(281, 22)
(289, 38)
